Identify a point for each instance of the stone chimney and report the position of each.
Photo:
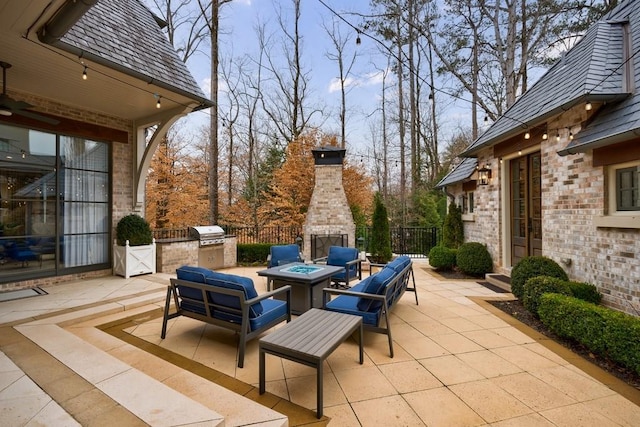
(329, 219)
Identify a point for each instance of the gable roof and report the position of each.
(462, 171)
(620, 121)
(124, 35)
(590, 71)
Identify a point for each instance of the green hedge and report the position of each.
(533, 266)
(474, 259)
(585, 292)
(253, 253)
(442, 258)
(602, 330)
(535, 287)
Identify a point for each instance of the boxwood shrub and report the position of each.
(533, 266)
(602, 330)
(585, 292)
(474, 259)
(442, 258)
(253, 253)
(536, 286)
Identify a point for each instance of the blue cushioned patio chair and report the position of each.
(225, 300)
(349, 258)
(282, 255)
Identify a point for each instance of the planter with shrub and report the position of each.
(134, 250)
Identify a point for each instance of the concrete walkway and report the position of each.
(90, 353)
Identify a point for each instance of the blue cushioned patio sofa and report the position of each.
(375, 296)
(225, 300)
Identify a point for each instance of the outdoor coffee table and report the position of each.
(306, 281)
(310, 339)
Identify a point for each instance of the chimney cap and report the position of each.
(328, 155)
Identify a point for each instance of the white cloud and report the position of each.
(369, 79)
(334, 84)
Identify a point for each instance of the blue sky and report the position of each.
(238, 37)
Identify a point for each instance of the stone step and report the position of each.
(157, 396)
(499, 280)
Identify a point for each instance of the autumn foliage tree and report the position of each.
(176, 186)
(286, 199)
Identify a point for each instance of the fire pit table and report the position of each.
(306, 281)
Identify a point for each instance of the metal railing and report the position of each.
(413, 241)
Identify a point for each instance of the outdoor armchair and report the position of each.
(282, 255)
(349, 258)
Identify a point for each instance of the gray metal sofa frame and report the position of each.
(243, 328)
(388, 297)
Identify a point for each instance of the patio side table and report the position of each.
(310, 339)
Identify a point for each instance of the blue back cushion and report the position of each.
(238, 283)
(376, 285)
(192, 274)
(339, 255)
(284, 254)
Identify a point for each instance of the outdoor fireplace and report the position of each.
(329, 213)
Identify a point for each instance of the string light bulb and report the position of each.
(558, 137)
(527, 135)
(571, 135)
(545, 136)
(84, 73)
(588, 106)
(358, 40)
(158, 104)
(431, 96)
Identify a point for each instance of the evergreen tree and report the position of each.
(452, 229)
(380, 244)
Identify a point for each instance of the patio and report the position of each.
(90, 352)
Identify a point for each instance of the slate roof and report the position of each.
(462, 171)
(618, 121)
(126, 35)
(591, 70)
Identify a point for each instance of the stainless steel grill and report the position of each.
(208, 235)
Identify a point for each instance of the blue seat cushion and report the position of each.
(238, 283)
(284, 254)
(192, 274)
(376, 285)
(349, 304)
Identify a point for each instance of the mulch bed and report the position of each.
(516, 310)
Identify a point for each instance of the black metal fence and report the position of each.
(275, 235)
(414, 241)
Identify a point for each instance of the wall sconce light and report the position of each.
(484, 175)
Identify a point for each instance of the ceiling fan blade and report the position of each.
(35, 116)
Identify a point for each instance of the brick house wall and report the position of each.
(574, 194)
